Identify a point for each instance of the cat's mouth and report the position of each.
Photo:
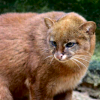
(62, 58)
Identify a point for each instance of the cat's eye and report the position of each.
(53, 43)
(70, 44)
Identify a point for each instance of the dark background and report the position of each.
(90, 9)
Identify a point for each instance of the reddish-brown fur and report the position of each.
(13, 55)
(53, 79)
(24, 47)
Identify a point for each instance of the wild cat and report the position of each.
(49, 51)
(63, 45)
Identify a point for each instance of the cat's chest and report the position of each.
(66, 83)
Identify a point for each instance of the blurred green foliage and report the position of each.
(90, 9)
(96, 55)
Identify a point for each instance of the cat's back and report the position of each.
(11, 18)
(14, 38)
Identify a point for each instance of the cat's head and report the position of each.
(70, 37)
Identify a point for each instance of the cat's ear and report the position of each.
(49, 22)
(88, 27)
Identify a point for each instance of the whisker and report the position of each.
(76, 64)
(79, 62)
(48, 56)
(84, 56)
(89, 53)
(82, 59)
(51, 60)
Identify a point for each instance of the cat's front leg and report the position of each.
(64, 96)
(35, 94)
(5, 93)
(4, 90)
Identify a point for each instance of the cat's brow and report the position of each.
(72, 41)
(51, 39)
(83, 37)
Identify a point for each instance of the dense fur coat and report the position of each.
(13, 54)
(24, 48)
(52, 77)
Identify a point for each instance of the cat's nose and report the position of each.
(59, 56)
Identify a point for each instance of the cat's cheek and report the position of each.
(87, 47)
(51, 49)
